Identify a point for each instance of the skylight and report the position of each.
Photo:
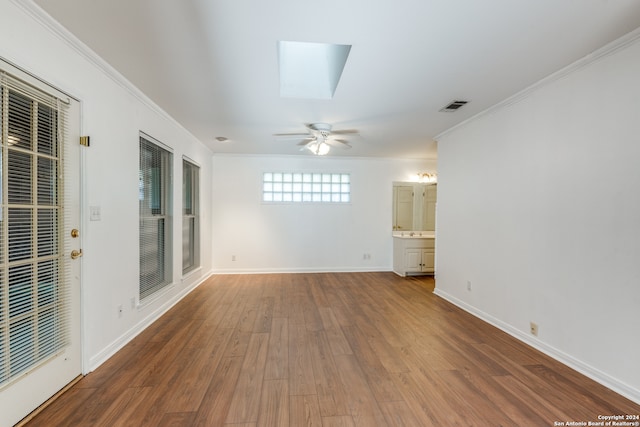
(310, 70)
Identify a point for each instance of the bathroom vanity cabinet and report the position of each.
(413, 253)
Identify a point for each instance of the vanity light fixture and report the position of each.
(427, 177)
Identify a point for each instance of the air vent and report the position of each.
(453, 106)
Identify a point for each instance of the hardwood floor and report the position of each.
(334, 349)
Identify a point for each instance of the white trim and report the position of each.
(606, 50)
(190, 274)
(155, 141)
(323, 158)
(143, 324)
(59, 31)
(30, 79)
(190, 160)
(301, 270)
(562, 357)
(84, 224)
(159, 294)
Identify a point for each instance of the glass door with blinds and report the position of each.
(40, 348)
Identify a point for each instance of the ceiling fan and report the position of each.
(319, 138)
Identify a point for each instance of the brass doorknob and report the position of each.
(75, 233)
(75, 254)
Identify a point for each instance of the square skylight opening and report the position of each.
(310, 70)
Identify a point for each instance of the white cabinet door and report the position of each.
(403, 208)
(413, 260)
(413, 255)
(429, 207)
(428, 260)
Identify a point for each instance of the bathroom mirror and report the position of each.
(414, 206)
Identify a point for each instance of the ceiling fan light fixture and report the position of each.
(319, 138)
(323, 149)
(319, 148)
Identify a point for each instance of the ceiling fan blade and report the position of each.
(290, 135)
(345, 132)
(307, 145)
(319, 137)
(340, 143)
(306, 141)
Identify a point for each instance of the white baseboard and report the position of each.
(562, 357)
(124, 339)
(299, 270)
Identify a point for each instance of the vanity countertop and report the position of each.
(414, 235)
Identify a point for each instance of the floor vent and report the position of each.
(453, 106)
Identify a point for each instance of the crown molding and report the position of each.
(603, 52)
(60, 32)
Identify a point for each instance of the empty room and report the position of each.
(291, 213)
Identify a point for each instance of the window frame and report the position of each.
(332, 188)
(156, 211)
(190, 215)
(35, 286)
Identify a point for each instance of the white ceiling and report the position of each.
(213, 64)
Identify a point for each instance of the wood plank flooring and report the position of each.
(331, 350)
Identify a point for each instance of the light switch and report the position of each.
(94, 213)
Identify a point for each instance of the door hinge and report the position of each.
(84, 141)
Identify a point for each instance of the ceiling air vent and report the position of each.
(453, 106)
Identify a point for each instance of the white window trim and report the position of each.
(169, 218)
(197, 262)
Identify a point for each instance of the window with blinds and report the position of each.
(34, 289)
(155, 216)
(190, 217)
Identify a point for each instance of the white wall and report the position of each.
(539, 207)
(113, 113)
(304, 237)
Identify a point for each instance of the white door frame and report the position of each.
(26, 392)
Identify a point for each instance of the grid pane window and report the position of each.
(301, 187)
(33, 290)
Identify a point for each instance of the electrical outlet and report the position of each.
(233, 257)
(469, 285)
(94, 213)
(533, 327)
(120, 310)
